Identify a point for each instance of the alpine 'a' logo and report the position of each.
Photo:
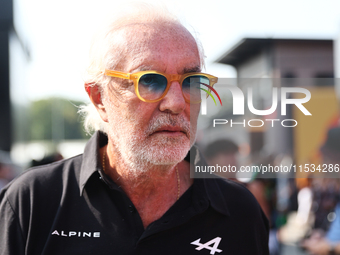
(216, 241)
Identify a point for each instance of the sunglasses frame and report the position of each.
(170, 78)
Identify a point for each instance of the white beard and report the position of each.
(139, 150)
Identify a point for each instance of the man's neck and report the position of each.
(153, 190)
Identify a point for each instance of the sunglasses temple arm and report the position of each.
(117, 74)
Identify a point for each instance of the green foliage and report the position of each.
(55, 119)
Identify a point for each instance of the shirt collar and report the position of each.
(91, 161)
(206, 189)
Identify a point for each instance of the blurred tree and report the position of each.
(55, 119)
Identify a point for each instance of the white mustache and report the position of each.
(169, 120)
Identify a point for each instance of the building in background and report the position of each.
(6, 27)
(267, 63)
(281, 58)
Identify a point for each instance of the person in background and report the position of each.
(7, 169)
(327, 241)
(222, 152)
(47, 159)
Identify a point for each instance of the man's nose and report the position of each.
(173, 101)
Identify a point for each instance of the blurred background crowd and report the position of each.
(44, 47)
(304, 212)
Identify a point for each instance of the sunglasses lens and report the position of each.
(152, 86)
(193, 87)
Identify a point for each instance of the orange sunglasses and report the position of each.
(152, 86)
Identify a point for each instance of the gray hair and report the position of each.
(107, 53)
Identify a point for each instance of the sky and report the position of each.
(58, 35)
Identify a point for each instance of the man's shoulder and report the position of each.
(241, 208)
(46, 178)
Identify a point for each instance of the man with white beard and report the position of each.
(131, 191)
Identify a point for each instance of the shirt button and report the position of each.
(132, 208)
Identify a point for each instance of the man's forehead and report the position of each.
(161, 29)
(139, 35)
(152, 46)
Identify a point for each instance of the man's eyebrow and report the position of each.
(142, 68)
(145, 68)
(195, 69)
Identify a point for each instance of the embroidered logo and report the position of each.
(216, 241)
(74, 233)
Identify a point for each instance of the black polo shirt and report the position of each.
(71, 207)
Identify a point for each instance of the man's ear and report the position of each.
(95, 95)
